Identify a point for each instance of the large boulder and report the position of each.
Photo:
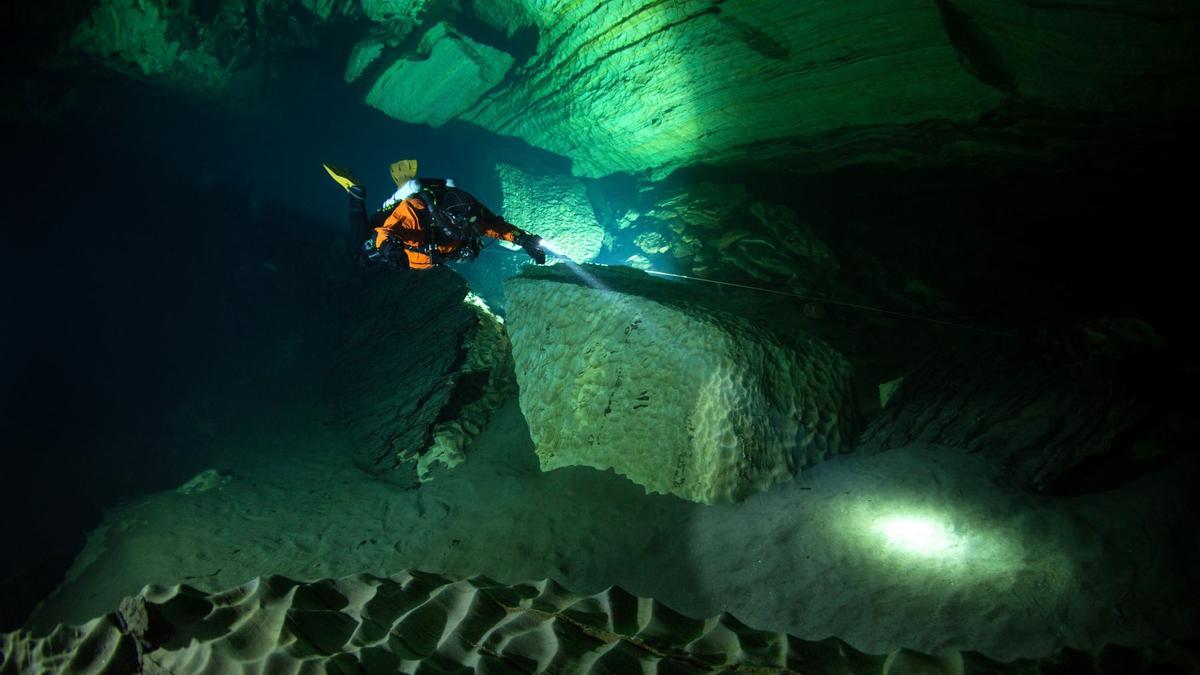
(618, 369)
(554, 206)
(446, 75)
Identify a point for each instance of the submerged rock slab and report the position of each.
(133, 36)
(556, 207)
(620, 370)
(446, 76)
(420, 622)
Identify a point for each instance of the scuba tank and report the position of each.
(451, 214)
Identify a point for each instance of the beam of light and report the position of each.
(554, 248)
(575, 268)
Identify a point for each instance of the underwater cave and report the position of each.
(746, 336)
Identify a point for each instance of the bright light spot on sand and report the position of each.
(918, 536)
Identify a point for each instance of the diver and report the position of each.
(427, 222)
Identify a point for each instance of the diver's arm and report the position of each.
(499, 228)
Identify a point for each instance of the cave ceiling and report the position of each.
(647, 87)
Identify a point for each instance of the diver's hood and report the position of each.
(407, 189)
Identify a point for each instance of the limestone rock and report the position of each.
(640, 262)
(392, 10)
(219, 48)
(652, 242)
(662, 385)
(419, 371)
(785, 229)
(827, 84)
(209, 479)
(705, 206)
(718, 83)
(485, 380)
(1037, 409)
(556, 207)
(132, 35)
(327, 9)
(715, 230)
(445, 77)
(362, 55)
(646, 87)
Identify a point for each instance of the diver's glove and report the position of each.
(533, 246)
(388, 254)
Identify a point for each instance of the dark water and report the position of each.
(142, 227)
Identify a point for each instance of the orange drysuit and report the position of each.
(405, 226)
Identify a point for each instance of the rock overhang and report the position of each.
(649, 88)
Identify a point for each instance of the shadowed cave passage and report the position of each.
(203, 386)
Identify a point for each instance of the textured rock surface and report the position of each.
(648, 87)
(420, 372)
(133, 35)
(1038, 409)
(627, 372)
(485, 379)
(446, 76)
(827, 82)
(392, 10)
(420, 622)
(718, 231)
(554, 206)
(712, 80)
(218, 48)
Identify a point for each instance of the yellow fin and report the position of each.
(342, 176)
(403, 170)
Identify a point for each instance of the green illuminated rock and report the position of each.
(834, 82)
(731, 82)
(649, 87)
(218, 48)
(714, 229)
(445, 77)
(556, 207)
(652, 242)
(326, 9)
(392, 10)
(132, 35)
